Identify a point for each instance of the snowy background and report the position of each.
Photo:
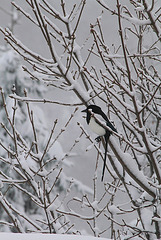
(7, 236)
(77, 184)
(25, 32)
(82, 167)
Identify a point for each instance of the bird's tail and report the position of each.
(104, 164)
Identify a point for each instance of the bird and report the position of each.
(94, 112)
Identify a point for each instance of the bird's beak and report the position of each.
(85, 110)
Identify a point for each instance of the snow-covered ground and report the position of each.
(37, 236)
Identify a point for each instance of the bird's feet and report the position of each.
(98, 139)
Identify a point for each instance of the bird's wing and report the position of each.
(108, 123)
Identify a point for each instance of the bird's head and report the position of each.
(93, 108)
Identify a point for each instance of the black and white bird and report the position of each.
(96, 118)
